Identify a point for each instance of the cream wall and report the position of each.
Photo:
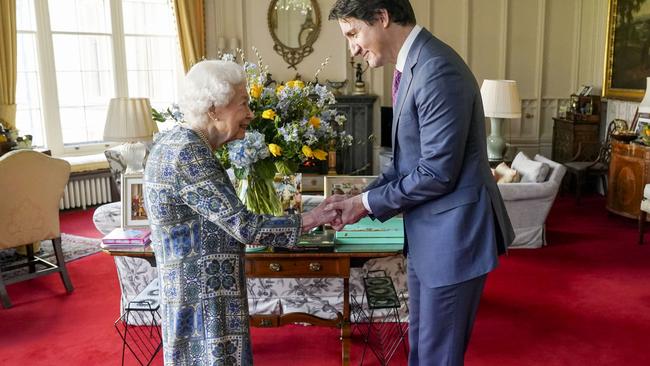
(550, 47)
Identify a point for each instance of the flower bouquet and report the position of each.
(294, 123)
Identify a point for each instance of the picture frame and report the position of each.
(133, 211)
(623, 60)
(585, 90)
(641, 120)
(289, 190)
(346, 184)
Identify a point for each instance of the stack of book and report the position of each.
(369, 235)
(127, 239)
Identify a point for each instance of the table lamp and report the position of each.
(644, 106)
(129, 120)
(500, 101)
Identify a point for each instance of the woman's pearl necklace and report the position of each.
(203, 137)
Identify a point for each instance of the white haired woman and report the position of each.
(199, 226)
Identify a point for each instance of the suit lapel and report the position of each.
(405, 82)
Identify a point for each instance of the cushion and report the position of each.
(504, 174)
(531, 171)
(84, 163)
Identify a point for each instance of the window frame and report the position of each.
(50, 108)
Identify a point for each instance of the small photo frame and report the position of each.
(642, 119)
(585, 90)
(346, 184)
(133, 211)
(288, 188)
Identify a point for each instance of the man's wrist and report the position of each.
(364, 200)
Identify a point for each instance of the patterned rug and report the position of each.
(74, 247)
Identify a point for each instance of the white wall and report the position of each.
(550, 47)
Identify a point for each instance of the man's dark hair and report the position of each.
(400, 11)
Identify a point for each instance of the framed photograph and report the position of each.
(346, 184)
(289, 188)
(133, 212)
(642, 119)
(585, 90)
(627, 61)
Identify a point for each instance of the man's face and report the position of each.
(368, 41)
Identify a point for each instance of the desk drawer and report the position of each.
(299, 267)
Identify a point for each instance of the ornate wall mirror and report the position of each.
(294, 26)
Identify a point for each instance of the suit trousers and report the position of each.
(441, 320)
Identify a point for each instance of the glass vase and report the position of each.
(259, 195)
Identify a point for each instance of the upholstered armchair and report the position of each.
(134, 274)
(32, 184)
(528, 204)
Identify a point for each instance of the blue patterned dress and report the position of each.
(199, 228)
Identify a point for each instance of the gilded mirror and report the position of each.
(294, 26)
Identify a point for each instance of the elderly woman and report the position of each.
(200, 227)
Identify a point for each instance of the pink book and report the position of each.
(128, 236)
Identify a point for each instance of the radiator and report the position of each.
(86, 190)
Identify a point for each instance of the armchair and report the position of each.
(528, 205)
(32, 184)
(134, 274)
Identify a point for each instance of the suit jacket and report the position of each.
(455, 221)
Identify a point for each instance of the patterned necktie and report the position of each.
(397, 76)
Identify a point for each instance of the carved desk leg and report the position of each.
(345, 329)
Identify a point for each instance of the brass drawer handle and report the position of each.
(314, 267)
(275, 267)
(266, 322)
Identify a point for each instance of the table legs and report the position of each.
(345, 328)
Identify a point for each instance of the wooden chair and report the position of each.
(32, 184)
(581, 167)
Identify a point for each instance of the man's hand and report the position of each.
(350, 211)
(319, 215)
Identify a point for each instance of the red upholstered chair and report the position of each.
(32, 184)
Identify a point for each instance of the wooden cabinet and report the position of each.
(629, 171)
(358, 109)
(568, 135)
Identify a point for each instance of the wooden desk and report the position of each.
(629, 172)
(299, 265)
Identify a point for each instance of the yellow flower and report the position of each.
(295, 84)
(320, 154)
(307, 151)
(268, 114)
(279, 89)
(275, 149)
(256, 91)
(314, 121)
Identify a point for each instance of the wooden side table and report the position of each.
(568, 135)
(629, 172)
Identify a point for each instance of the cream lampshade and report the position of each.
(500, 101)
(129, 120)
(644, 106)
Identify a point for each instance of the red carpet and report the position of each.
(79, 222)
(583, 300)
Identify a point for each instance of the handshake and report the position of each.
(337, 210)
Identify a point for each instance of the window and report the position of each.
(75, 55)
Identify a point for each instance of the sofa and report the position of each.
(528, 202)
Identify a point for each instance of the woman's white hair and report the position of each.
(209, 83)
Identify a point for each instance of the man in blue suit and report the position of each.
(455, 220)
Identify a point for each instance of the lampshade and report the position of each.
(501, 99)
(644, 106)
(129, 119)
